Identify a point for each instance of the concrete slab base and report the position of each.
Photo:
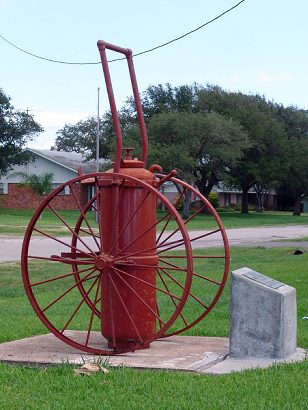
(186, 353)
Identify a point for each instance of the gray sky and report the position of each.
(258, 47)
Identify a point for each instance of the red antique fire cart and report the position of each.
(117, 282)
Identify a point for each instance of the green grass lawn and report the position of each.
(15, 221)
(280, 387)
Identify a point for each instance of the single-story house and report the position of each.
(63, 165)
(227, 196)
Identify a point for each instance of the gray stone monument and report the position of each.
(263, 316)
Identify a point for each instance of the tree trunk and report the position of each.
(261, 192)
(186, 198)
(245, 200)
(297, 206)
(186, 204)
(205, 190)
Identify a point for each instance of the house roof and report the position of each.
(70, 160)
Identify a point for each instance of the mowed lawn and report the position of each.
(280, 387)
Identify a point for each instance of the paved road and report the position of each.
(10, 247)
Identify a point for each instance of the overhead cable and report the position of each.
(123, 58)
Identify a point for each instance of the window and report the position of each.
(227, 199)
(55, 185)
(3, 187)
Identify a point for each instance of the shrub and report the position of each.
(178, 203)
(225, 209)
(213, 199)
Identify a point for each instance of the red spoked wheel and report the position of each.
(211, 257)
(70, 269)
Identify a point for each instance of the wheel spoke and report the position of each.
(174, 302)
(86, 278)
(115, 224)
(98, 212)
(157, 310)
(185, 223)
(85, 296)
(138, 296)
(194, 256)
(114, 343)
(170, 215)
(207, 279)
(176, 267)
(92, 310)
(59, 241)
(130, 255)
(66, 261)
(181, 286)
(146, 283)
(140, 236)
(60, 277)
(129, 221)
(70, 229)
(84, 215)
(125, 308)
(90, 234)
(176, 243)
(139, 265)
(180, 242)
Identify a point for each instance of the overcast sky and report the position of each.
(261, 46)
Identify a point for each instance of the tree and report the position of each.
(264, 160)
(294, 181)
(39, 184)
(165, 98)
(201, 147)
(81, 137)
(16, 129)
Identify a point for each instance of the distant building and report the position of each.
(63, 165)
(227, 197)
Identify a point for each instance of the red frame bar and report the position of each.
(102, 46)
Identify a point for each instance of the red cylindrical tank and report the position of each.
(128, 305)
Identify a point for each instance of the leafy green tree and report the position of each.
(165, 98)
(81, 137)
(201, 147)
(264, 160)
(294, 181)
(16, 129)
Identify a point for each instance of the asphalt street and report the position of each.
(10, 247)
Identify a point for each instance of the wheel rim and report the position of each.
(73, 305)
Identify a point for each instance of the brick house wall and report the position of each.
(24, 197)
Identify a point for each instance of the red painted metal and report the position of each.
(198, 280)
(102, 46)
(131, 278)
(89, 270)
(125, 220)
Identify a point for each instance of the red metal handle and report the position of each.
(102, 46)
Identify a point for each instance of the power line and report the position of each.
(123, 58)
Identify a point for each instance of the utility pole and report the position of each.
(97, 149)
(97, 133)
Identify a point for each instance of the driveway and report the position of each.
(10, 247)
